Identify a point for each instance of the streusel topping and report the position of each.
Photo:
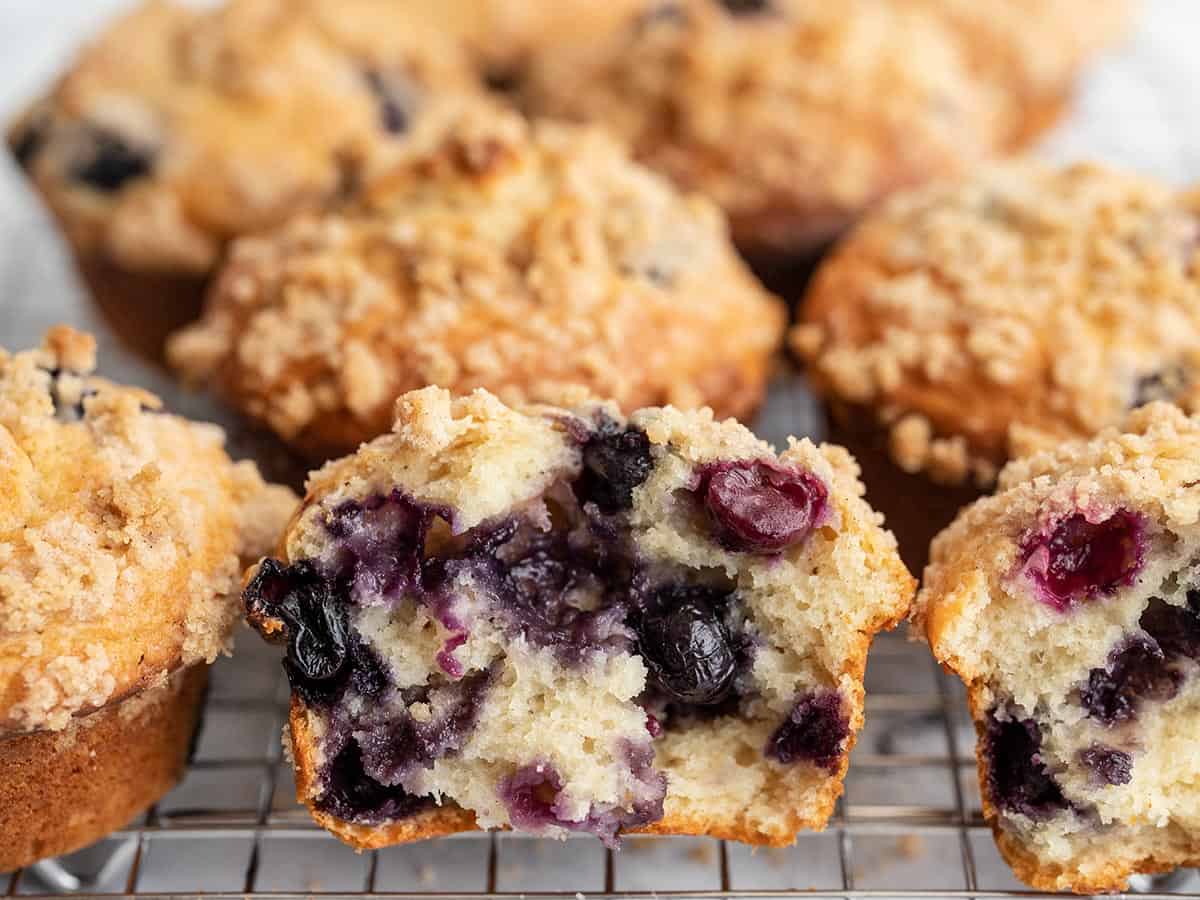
(121, 534)
(1028, 304)
(524, 258)
(180, 128)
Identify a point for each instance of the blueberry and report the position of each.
(315, 622)
(615, 461)
(352, 795)
(393, 94)
(1137, 670)
(815, 731)
(380, 547)
(1176, 629)
(1109, 765)
(758, 506)
(1017, 779)
(686, 645)
(397, 744)
(746, 7)
(27, 143)
(111, 162)
(1080, 559)
(531, 794)
(1165, 385)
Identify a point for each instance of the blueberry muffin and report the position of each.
(500, 254)
(562, 620)
(1069, 603)
(181, 128)
(792, 114)
(122, 534)
(971, 321)
(1034, 48)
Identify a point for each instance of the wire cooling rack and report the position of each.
(909, 824)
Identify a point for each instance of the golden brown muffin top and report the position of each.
(121, 531)
(179, 128)
(519, 257)
(983, 318)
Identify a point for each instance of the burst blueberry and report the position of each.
(1017, 778)
(686, 646)
(1080, 559)
(615, 462)
(815, 731)
(1108, 764)
(759, 506)
(1138, 670)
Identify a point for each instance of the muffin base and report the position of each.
(143, 308)
(60, 791)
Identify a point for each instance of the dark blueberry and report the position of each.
(1137, 670)
(381, 545)
(686, 645)
(1165, 385)
(502, 79)
(354, 796)
(111, 162)
(759, 506)
(1176, 629)
(27, 143)
(815, 731)
(394, 95)
(1108, 764)
(746, 7)
(368, 674)
(1017, 778)
(398, 744)
(538, 580)
(1080, 559)
(615, 461)
(531, 795)
(315, 623)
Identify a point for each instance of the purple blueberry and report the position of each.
(759, 506)
(1080, 559)
(615, 461)
(1109, 765)
(111, 162)
(1137, 670)
(686, 645)
(1017, 778)
(394, 96)
(1176, 629)
(815, 731)
(352, 795)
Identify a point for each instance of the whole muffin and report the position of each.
(181, 128)
(558, 619)
(122, 534)
(1069, 603)
(501, 254)
(971, 321)
(793, 115)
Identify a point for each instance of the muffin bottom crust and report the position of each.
(60, 791)
(143, 308)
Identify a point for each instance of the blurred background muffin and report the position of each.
(178, 129)
(796, 115)
(524, 258)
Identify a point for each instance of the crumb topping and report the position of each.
(790, 117)
(180, 128)
(527, 259)
(990, 317)
(122, 530)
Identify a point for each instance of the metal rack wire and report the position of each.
(908, 826)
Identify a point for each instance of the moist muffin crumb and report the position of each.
(576, 621)
(518, 257)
